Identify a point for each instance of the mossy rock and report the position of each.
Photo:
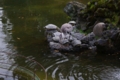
(98, 11)
(102, 10)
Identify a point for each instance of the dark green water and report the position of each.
(24, 52)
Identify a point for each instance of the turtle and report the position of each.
(66, 28)
(50, 26)
(73, 23)
(99, 28)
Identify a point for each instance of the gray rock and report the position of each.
(55, 45)
(79, 36)
(61, 47)
(64, 39)
(87, 38)
(73, 8)
(56, 36)
(76, 42)
(102, 42)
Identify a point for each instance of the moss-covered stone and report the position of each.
(97, 11)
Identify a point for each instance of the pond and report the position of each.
(24, 51)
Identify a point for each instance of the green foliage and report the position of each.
(83, 32)
(102, 11)
(115, 19)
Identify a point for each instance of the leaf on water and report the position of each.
(18, 38)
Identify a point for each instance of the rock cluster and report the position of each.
(101, 19)
(66, 39)
(63, 39)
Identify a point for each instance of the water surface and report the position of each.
(25, 54)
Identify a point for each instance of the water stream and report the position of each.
(25, 54)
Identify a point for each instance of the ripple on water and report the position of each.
(110, 73)
(5, 62)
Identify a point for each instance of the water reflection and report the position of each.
(22, 33)
(8, 68)
(5, 62)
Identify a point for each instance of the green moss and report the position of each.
(102, 11)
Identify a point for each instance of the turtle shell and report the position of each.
(50, 26)
(72, 22)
